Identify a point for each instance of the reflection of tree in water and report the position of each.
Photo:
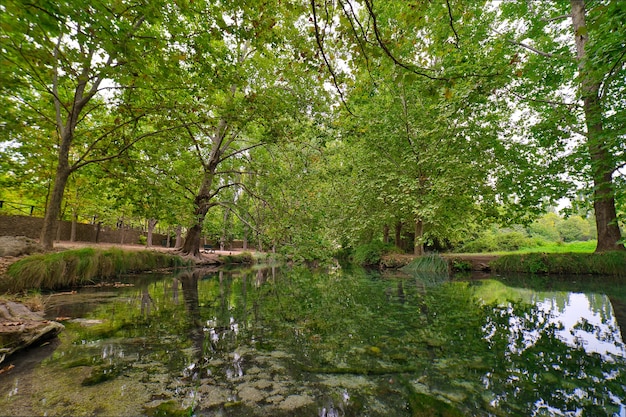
(537, 370)
(215, 322)
(146, 301)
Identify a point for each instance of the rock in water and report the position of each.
(20, 327)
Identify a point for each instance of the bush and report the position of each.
(501, 241)
(371, 253)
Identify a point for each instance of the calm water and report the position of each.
(293, 342)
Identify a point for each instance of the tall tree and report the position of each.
(59, 58)
(571, 69)
(240, 67)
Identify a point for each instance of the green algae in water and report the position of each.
(423, 405)
(342, 340)
(101, 374)
(169, 408)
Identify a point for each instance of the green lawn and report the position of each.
(577, 247)
(551, 247)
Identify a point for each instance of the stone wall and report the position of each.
(31, 227)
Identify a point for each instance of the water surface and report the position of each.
(295, 342)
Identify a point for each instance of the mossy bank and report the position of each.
(82, 266)
(605, 263)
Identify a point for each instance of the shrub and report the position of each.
(371, 253)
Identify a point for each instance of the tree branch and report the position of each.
(320, 45)
(611, 72)
(198, 150)
(535, 50)
(456, 35)
(550, 102)
(230, 206)
(123, 149)
(552, 19)
(370, 9)
(240, 151)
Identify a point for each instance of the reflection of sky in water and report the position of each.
(583, 324)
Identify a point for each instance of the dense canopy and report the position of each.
(313, 126)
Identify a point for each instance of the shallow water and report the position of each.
(287, 342)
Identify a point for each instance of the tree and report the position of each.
(243, 75)
(426, 110)
(571, 76)
(60, 58)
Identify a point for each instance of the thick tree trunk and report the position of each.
(48, 231)
(418, 246)
(602, 166)
(191, 246)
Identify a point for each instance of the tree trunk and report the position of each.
(602, 166)
(398, 236)
(151, 225)
(386, 233)
(418, 247)
(74, 223)
(179, 237)
(191, 246)
(53, 209)
(122, 229)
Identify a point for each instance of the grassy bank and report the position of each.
(81, 266)
(608, 263)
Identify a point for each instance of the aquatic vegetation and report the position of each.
(293, 341)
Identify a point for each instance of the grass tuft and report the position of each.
(428, 263)
(81, 266)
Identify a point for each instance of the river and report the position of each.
(339, 342)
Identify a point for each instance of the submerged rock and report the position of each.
(294, 402)
(20, 327)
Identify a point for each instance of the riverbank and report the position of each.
(604, 263)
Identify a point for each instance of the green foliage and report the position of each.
(499, 242)
(238, 258)
(606, 263)
(432, 263)
(547, 233)
(81, 266)
(370, 253)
